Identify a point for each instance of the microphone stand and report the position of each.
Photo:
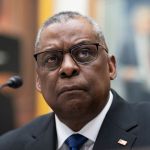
(3, 85)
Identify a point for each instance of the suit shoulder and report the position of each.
(22, 135)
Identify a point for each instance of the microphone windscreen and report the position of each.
(15, 82)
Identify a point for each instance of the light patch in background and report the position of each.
(81, 6)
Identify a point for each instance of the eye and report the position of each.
(50, 58)
(84, 53)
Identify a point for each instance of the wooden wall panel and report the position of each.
(18, 18)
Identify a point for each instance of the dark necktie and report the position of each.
(75, 141)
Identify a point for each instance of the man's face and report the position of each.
(74, 90)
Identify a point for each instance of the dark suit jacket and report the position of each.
(127, 121)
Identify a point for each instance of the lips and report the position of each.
(70, 88)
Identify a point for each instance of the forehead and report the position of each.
(70, 32)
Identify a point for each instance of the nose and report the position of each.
(69, 68)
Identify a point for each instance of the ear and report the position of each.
(38, 83)
(112, 67)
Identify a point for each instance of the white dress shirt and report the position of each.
(90, 130)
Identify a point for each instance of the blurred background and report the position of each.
(126, 26)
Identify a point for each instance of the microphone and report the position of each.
(13, 82)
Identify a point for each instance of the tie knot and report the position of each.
(75, 141)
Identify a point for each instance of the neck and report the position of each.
(78, 122)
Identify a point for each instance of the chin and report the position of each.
(73, 96)
(75, 106)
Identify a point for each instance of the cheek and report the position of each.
(48, 82)
(98, 75)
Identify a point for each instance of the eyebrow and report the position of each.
(71, 47)
(46, 50)
(82, 43)
(85, 42)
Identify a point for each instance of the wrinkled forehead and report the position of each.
(72, 32)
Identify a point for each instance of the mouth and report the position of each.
(69, 89)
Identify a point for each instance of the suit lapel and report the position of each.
(46, 139)
(118, 128)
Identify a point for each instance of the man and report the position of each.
(74, 71)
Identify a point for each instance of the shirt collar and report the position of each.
(63, 131)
